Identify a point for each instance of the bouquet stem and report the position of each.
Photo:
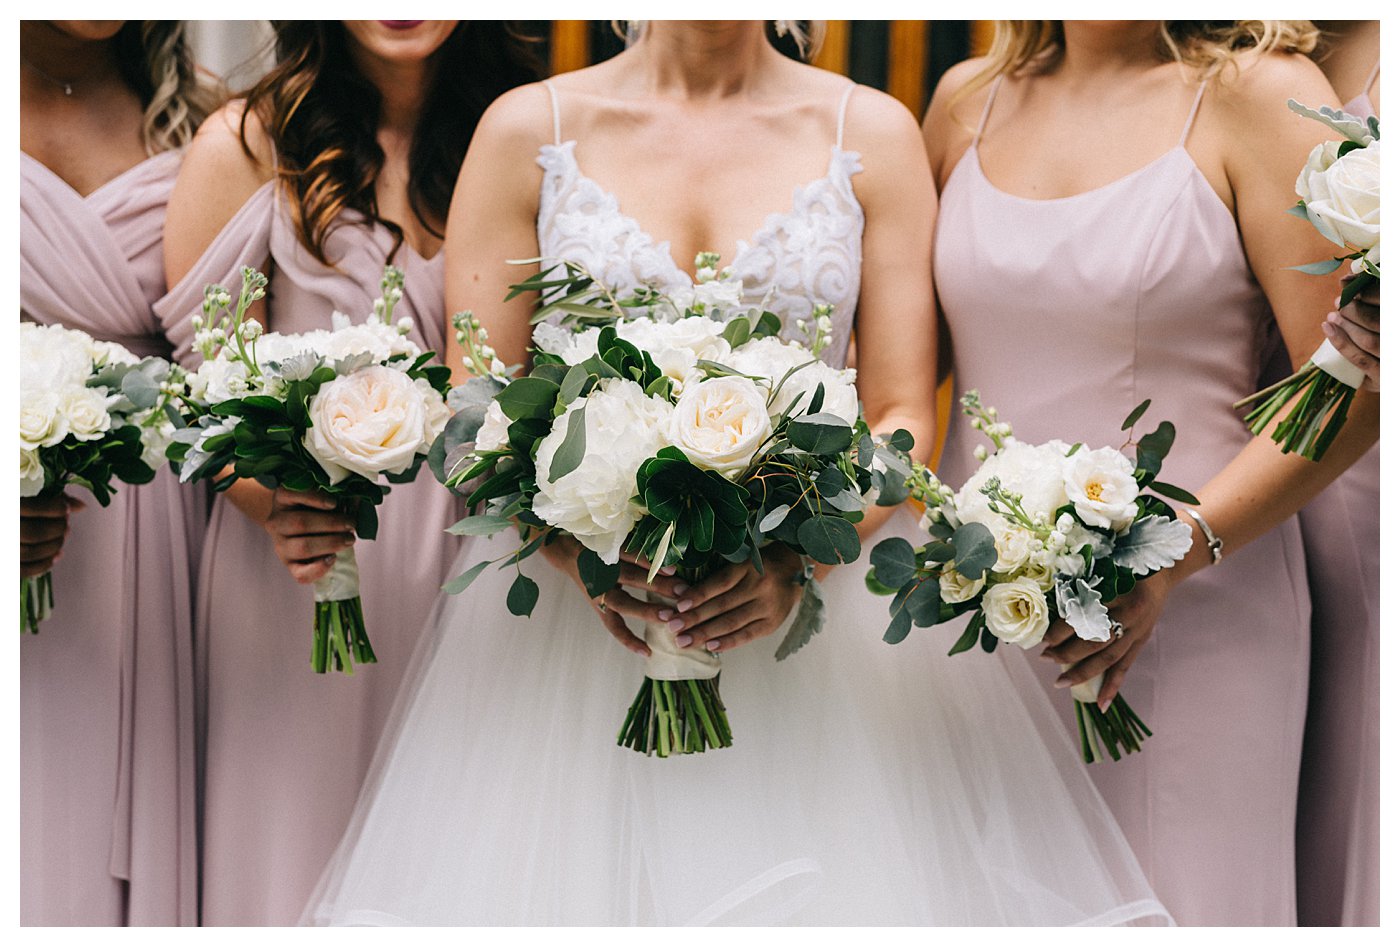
(1324, 387)
(340, 640)
(1104, 732)
(35, 602)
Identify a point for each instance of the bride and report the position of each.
(866, 784)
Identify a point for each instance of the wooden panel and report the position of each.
(835, 53)
(908, 62)
(982, 31)
(568, 47)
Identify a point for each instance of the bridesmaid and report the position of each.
(107, 744)
(1150, 267)
(340, 160)
(1339, 792)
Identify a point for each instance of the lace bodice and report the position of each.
(809, 253)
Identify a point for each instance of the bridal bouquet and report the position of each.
(1340, 195)
(89, 412)
(681, 429)
(328, 410)
(1039, 532)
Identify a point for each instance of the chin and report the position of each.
(92, 30)
(401, 40)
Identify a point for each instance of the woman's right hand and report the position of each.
(1355, 331)
(612, 605)
(306, 529)
(43, 526)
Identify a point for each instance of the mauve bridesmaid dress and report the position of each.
(1339, 794)
(285, 749)
(107, 735)
(1066, 313)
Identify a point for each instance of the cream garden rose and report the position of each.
(720, 423)
(369, 422)
(31, 473)
(41, 423)
(1017, 612)
(85, 410)
(1343, 195)
(954, 587)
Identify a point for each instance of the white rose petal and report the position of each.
(1344, 199)
(85, 410)
(370, 422)
(1017, 612)
(720, 423)
(31, 473)
(41, 423)
(494, 431)
(954, 587)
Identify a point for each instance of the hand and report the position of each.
(736, 605)
(612, 605)
(307, 532)
(1138, 612)
(1355, 331)
(43, 526)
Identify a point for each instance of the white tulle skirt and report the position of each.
(867, 785)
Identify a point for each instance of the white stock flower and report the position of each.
(954, 587)
(369, 422)
(593, 503)
(31, 473)
(155, 439)
(1100, 484)
(219, 379)
(719, 423)
(1016, 612)
(1344, 196)
(494, 431)
(85, 410)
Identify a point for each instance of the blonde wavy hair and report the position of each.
(1208, 48)
(807, 34)
(155, 59)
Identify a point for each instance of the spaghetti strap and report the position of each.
(841, 114)
(1191, 118)
(987, 109)
(1371, 79)
(554, 108)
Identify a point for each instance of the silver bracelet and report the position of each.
(1213, 543)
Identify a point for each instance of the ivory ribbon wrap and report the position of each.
(669, 663)
(1088, 692)
(1334, 363)
(342, 582)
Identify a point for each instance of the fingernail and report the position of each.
(683, 641)
(1335, 318)
(1047, 655)
(675, 624)
(685, 605)
(664, 614)
(1104, 705)
(1062, 681)
(712, 645)
(668, 570)
(1337, 302)
(679, 588)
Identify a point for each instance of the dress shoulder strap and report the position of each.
(987, 109)
(553, 108)
(1371, 78)
(841, 114)
(1191, 116)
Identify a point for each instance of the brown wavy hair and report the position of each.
(322, 115)
(1209, 48)
(155, 61)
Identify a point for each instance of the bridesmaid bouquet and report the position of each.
(1039, 532)
(328, 410)
(90, 412)
(1340, 195)
(681, 429)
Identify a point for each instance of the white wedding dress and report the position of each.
(867, 784)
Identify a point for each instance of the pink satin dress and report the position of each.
(107, 720)
(1339, 795)
(285, 749)
(1065, 314)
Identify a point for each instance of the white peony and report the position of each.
(41, 423)
(623, 427)
(379, 340)
(31, 473)
(1016, 612)
(1343, 195)
(1034, 471)
(954, 587)
(494, 431)
(52, 357)
(1100, 484)
(85, 410)
(720, 423)
(369, 422)
(772, 358)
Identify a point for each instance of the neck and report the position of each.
(403, 88)
(1095, 48)
(55, 57)
(704, 58)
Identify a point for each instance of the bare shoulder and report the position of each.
(520, 118)
(954, 111)
(879, 118)
(218, 146)
(1258, 88)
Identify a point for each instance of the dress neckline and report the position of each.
(105, 185)
(842, 161)
(976, 162)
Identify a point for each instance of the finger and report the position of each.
(1366, 339)
(1095, 664)
(618, 629)
(302, 522)
(50, 508)
(1059, 633)
(707, 611)
(635, 577)
(624, 604)
(707, 634)
(715, 585)
(312, 498)
(31, 553)
(1074, 650)
(74, 504)
(1113, 678)
(1343, 344)
(41, 529)
(305, 548)
(642, 561)
(743, 636)
(308, 572)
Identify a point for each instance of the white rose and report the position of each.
(41, 423)
(1013, 546)
(1344, 197)
(85, 410)
(719, 423)
(494, 431)
(368, 422)
(1016, 612)
(623, 427)
(436, 413)
(1041, 571)
(1100, 484)
(838, 393)
(31, 473)
(954, 587)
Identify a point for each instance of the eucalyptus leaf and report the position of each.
(899, 626)
(1320, 268)
(479, 525)
(774, 518)
(820, 434)
(1135, 415)
(974, 550)
(459, 584)
(830, 540)
(892, 561)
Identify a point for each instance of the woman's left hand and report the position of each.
(736, 605)
(1355, 331)
(1137, 611)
